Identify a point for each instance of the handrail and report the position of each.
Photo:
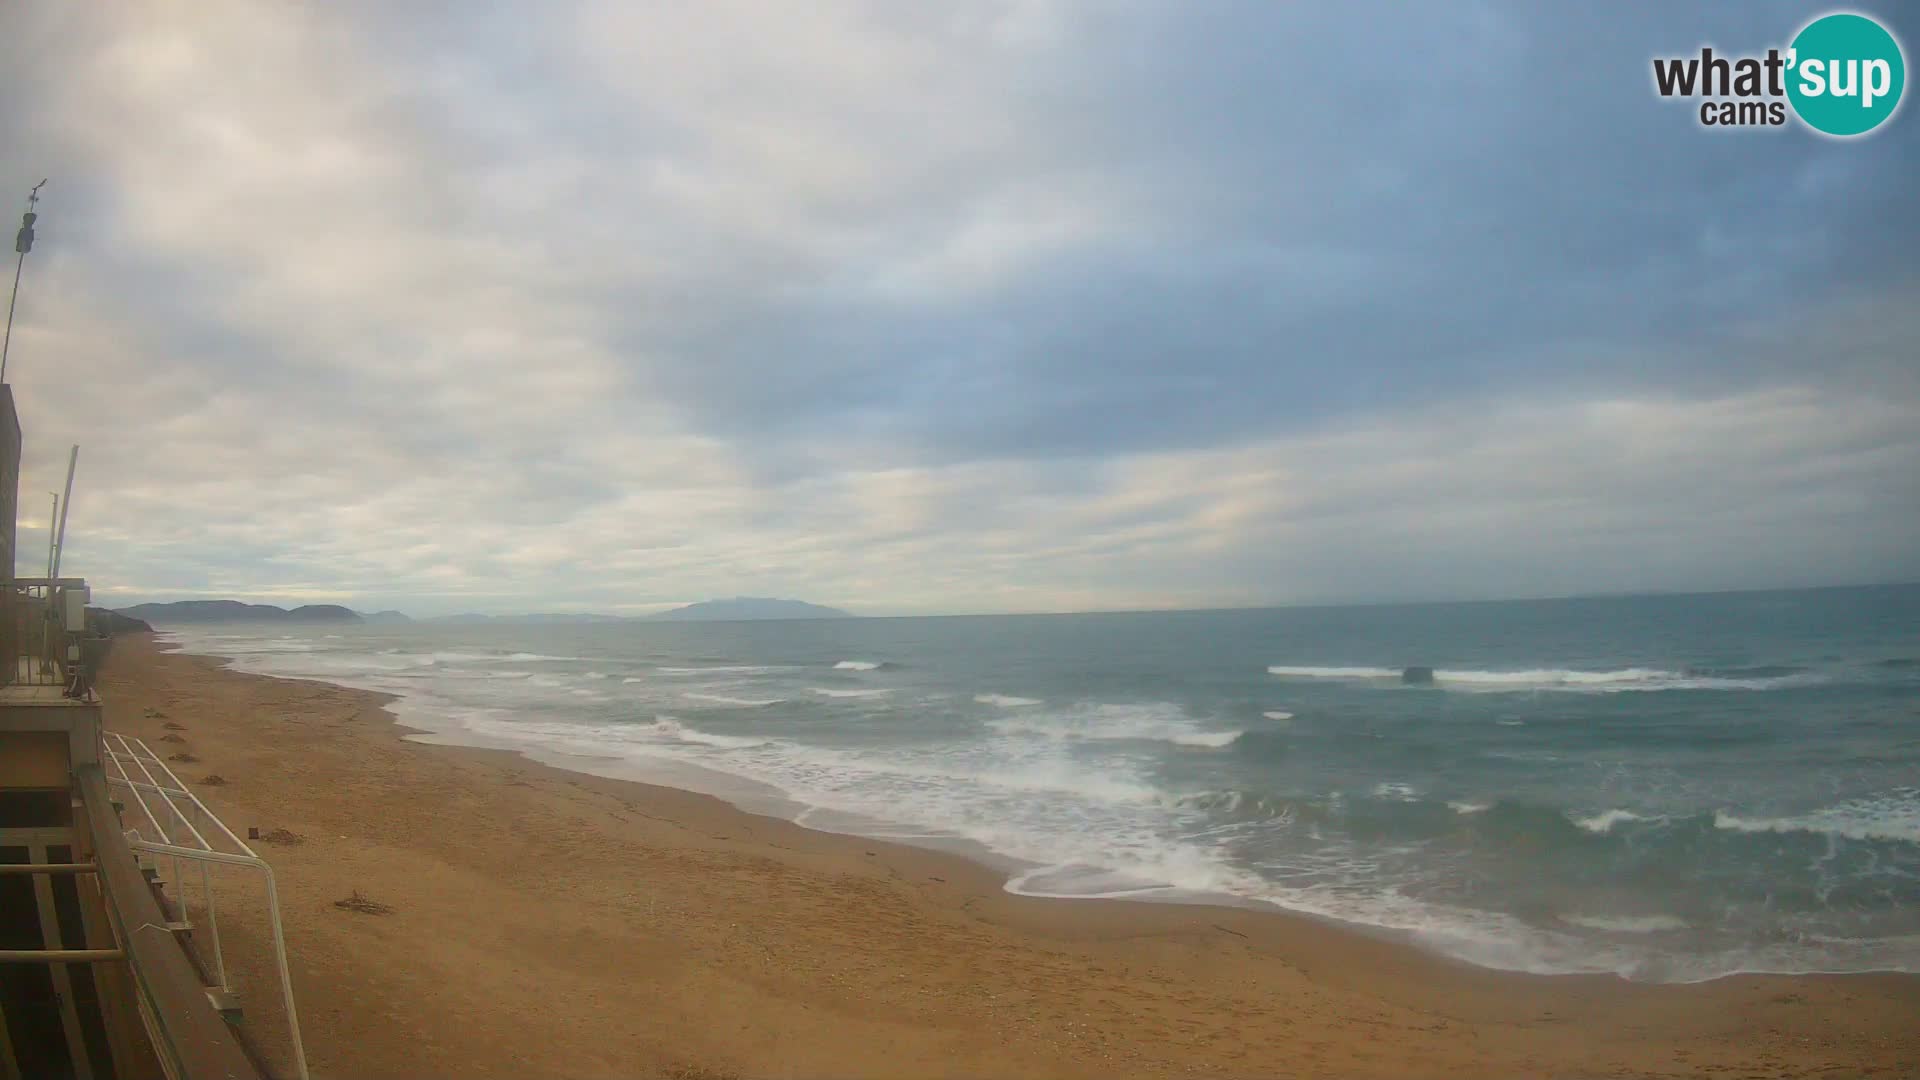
(188, 1034)
(137, 751)
(273, 909)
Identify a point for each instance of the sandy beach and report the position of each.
(539, 922)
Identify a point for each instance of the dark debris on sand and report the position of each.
(363, 905)
(213, 780)
(282, 836)
(187, 759)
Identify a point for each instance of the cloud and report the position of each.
(1022, 305)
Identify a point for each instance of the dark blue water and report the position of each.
(1666, 787)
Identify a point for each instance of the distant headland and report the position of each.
(208, 611)
(751, 607)
(739, 608)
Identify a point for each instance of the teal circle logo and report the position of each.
(1845, 74)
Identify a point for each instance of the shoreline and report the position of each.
(760, 798)
(861, 956)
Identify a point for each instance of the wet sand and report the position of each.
(546, 923)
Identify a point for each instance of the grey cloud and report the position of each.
(1025, 305)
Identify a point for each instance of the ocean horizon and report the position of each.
(1668, 787)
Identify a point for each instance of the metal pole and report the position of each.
(46, 623)
(213, 926)
(59, 956)
(23, 243)
(66, 503)
(7, 345)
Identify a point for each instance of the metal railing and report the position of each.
(170, 809)
(45, 636)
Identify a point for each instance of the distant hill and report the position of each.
(384, 617)
(108, 623)
(536, 617)
(750, 607)
(212, 611)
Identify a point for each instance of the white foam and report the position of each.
(998, 791)
(750, 669)
(1892, 817)
(1335, 672)
(1486, 938)
(1157, 721)
(722, 699)
(670, 728)
(1604, 821)
(1005, 701)
(855, 665)
(633, 679)
(1466, 807)
(454, 656)
(1627, 924)
(1554, 676)
(1562, 679)
(1278, 714)
(1398, 792)
(1212, 740)
(829, 691)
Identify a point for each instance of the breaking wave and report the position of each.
(1894, 817)
(1335, 672)
(669, 728)
(1156, 723)
(723, 699)
(1576, 681)
(1604, 821)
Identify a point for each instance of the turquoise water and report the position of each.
(1671, 788)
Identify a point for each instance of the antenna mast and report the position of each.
(22, 243)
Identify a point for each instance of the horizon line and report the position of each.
(1278, 606)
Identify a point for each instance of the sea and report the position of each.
(1670, 788)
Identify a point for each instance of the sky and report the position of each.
(1008, 305)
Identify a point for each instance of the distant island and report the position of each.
(750, 607)
(212, 611)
